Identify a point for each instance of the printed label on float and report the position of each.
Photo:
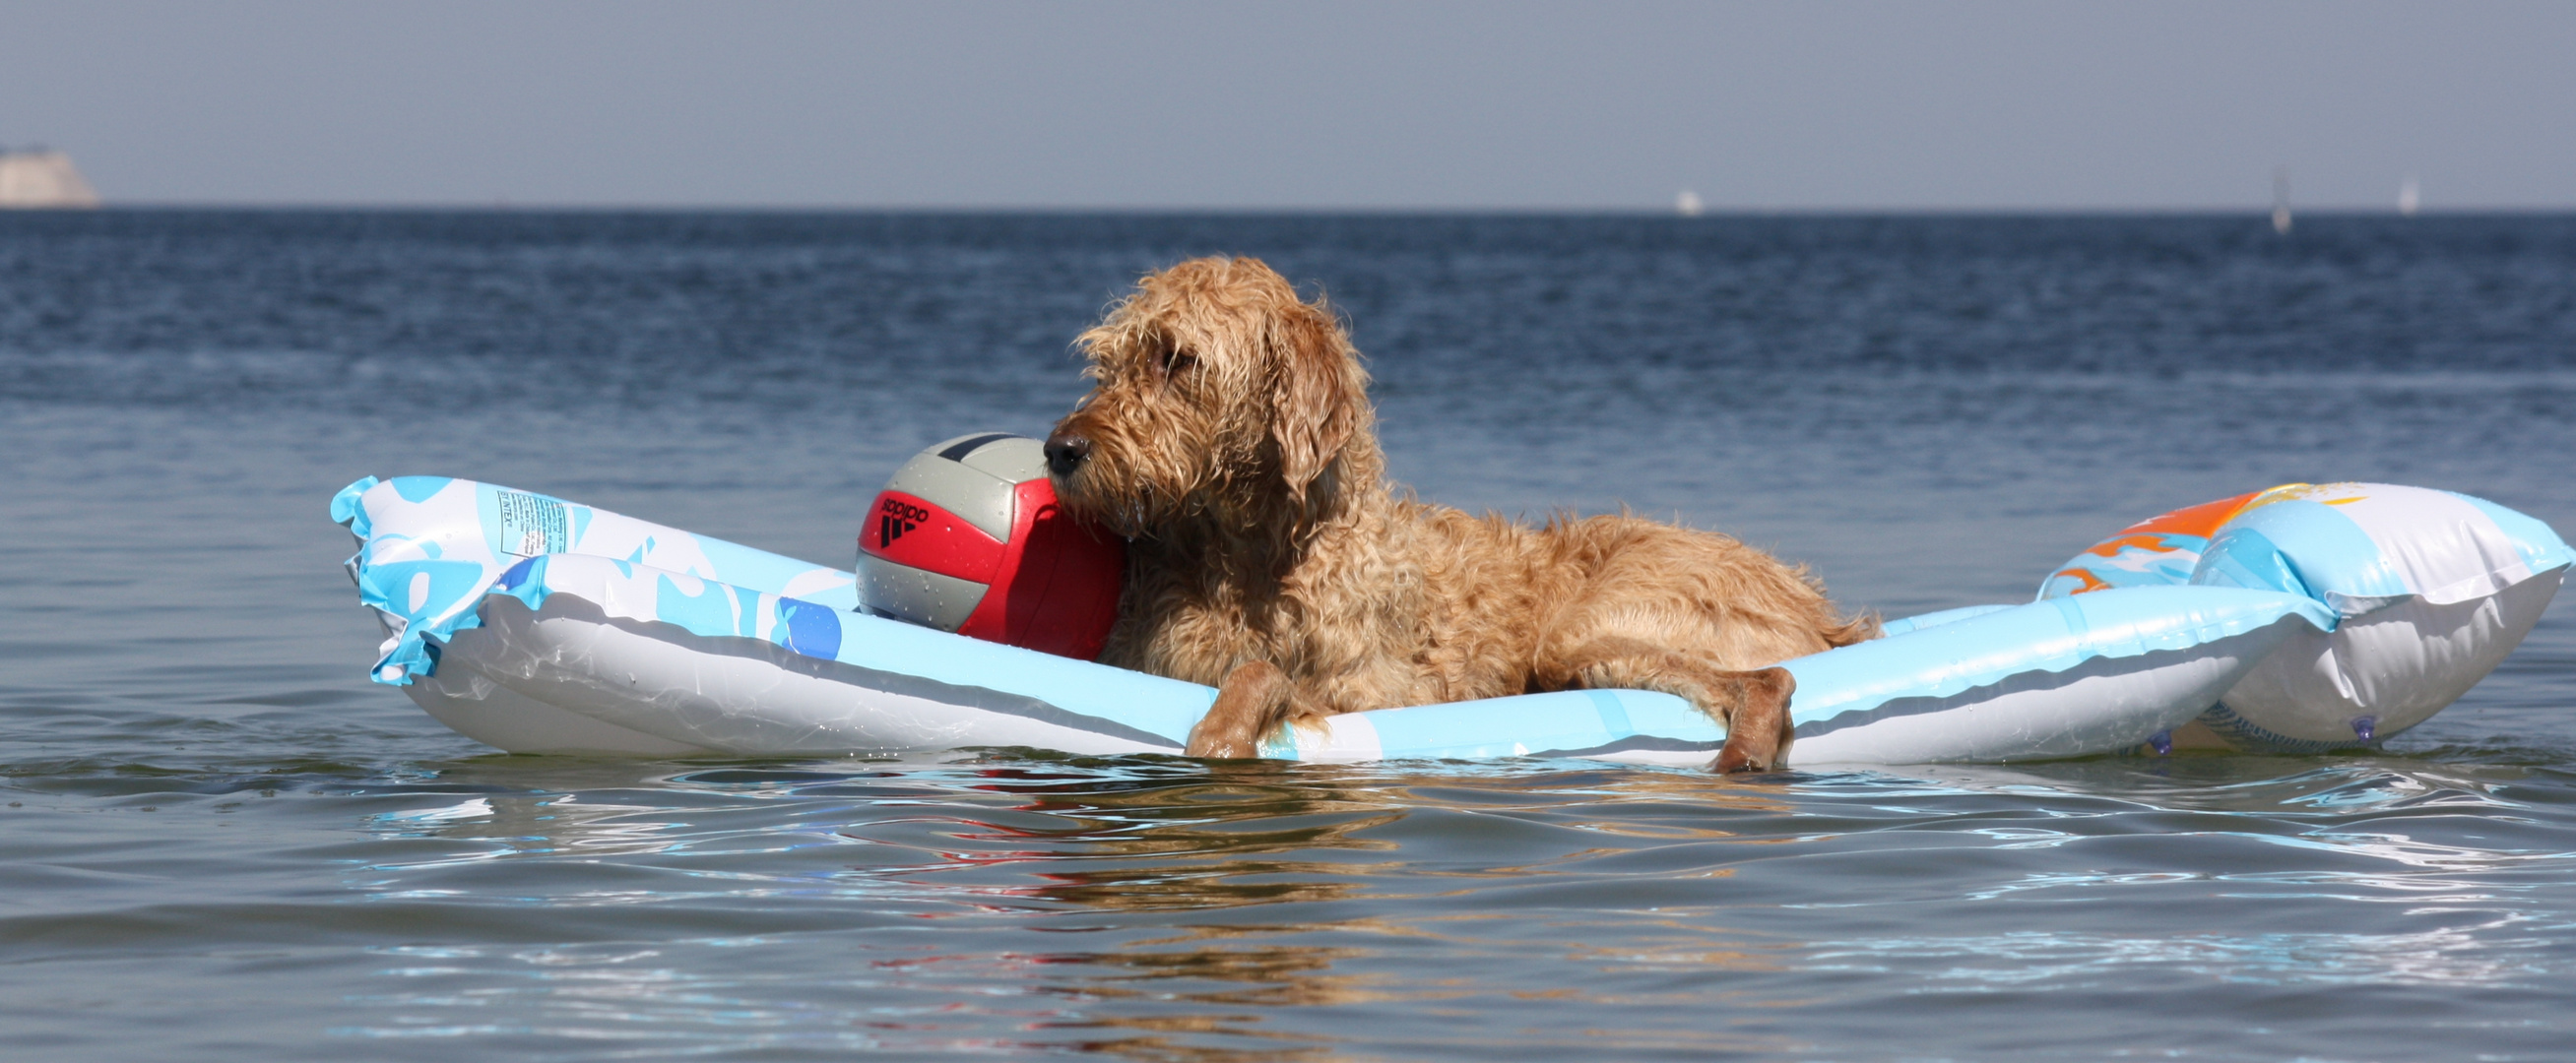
(532, 524)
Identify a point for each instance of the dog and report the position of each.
(1228, 436)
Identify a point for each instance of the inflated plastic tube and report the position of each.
(431, 546)
(727, 668)
(2431, 590)
(1990, 683)
(711, 666)
(595, 647)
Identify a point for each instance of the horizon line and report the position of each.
(1711, 212)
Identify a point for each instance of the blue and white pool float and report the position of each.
(539, 625)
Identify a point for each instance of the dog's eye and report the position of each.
(1171, 360)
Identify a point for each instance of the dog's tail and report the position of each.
(1861, 628)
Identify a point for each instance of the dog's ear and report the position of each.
(1317, 394)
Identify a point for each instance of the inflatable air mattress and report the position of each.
(540, 625)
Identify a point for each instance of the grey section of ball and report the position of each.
(1016, 459)
(910, 594)
(980, 498)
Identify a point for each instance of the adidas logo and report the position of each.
(895, 517)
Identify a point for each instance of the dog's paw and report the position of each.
(1218, 748)
(1758, 729)
(1254, 697)
(1733, 761)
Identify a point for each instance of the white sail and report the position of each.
(2281, 200)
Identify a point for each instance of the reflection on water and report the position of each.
(1280, 911)
(2039, 961)
(1151, 907)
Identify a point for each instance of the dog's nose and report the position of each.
(1064, 453)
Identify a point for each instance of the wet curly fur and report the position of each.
(1230, 438)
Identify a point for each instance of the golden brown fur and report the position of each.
(1230, 438)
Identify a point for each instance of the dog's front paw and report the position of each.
(1254, 697)
(1205, 747)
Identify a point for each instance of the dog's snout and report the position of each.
(1064, 452)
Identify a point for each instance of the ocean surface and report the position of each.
(218, 840)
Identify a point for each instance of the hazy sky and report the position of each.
(1307, 105)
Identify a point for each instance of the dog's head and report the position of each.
(1217, 392)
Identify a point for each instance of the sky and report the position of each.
(1321, 105)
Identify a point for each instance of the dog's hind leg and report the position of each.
(1758, 730)
(1754, 705)
(1253, 699)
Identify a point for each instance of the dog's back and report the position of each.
(1505, 596)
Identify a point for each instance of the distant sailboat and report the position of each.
(1687, 204)
(2408, 198)
(38, 177)
(2281, 200)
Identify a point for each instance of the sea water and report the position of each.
(220, 841)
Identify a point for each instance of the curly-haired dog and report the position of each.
(1229, 437)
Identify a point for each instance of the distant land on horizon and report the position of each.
(42, 178)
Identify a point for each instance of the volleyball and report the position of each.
(967, 537)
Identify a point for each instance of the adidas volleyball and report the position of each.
(967, 537)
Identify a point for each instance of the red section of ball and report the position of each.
(1053, 587)
(1059, 581)
(912, 531)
